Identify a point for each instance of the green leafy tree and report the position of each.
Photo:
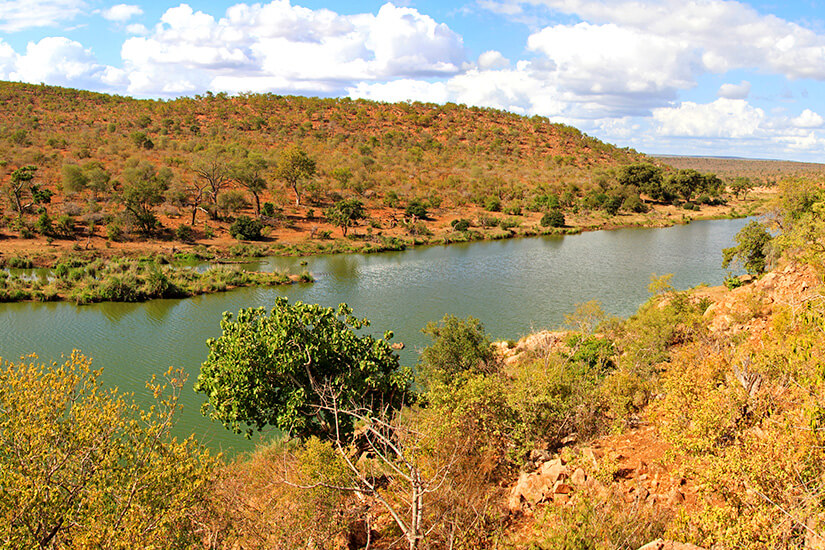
(248, 173)
(294, 166)
(645, 176)
(751, 248)
(21, 186)
(417, 208)
(73, 178)
(740, 187)
(143, 189)
(275, 369)
(459, 345)
(345, 213)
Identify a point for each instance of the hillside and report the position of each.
(118, 175)
(760, 170)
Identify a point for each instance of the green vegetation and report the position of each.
(127, 281)
(278, 369)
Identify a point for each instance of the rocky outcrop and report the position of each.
(552, 482)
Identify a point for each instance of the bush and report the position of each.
(553, 218)
(417, 208)
(492, 204)
(460, 224)
(246, 229)
(114, 231)
(184, 233)
(459, 345)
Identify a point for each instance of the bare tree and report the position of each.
(212, 167)
(396, 451)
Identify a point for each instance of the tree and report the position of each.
(268, 369)
(293, 166)
(143, 189)
(647, 177)
(751, 248)
(688, 182)
(740, 187)
(212, 167)
(345, 213)
(249, 174)
(82, 467)
(459, 345)
(21, 185)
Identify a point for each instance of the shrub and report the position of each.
(246, 229)
(553, 218)
(459, 345)
(184, 233)
(416, 208)
(460, 224)
(114, 231)
(492, 204)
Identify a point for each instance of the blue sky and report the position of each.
(696, 77)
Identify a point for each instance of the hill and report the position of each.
(762, 171)
(122, 175)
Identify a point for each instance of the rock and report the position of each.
(675, 497)
(553, 471)
(578, 477)
(561, 488)
(660, 544)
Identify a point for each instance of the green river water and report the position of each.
(515, 287)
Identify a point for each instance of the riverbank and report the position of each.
(300, 234)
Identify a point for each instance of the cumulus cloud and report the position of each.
(808, 119)
(58, 61)
(18, 15)
(612, 60)
(291, 47)
(121, 12)
(728, 34)
(492, 59)
(735, 91)
(723, 118)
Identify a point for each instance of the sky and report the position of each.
(688, 77)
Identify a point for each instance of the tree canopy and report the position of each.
(276, 369)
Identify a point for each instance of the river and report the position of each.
(514, 286)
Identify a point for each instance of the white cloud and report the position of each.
(121, 12)
(729, 34)
(492, 59)
(58, 61)
(735, 91)
(808, 119)
(612, 60)
(288, 47)
(723, 118)
(137, 29)
(18, 15)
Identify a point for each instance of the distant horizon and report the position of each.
(711, 77)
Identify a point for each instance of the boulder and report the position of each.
(578, 477)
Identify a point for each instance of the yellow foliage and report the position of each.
(82, 467)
